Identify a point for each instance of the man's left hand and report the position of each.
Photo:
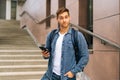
(69, 74)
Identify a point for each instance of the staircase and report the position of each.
(20, 59)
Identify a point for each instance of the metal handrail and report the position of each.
(25, 12)
(48, 17)
(97, 36)
(35, 20)
(80, 28)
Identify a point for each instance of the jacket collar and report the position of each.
(69, 31)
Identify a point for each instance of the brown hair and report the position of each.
(61, 10)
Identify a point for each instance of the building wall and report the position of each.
(104, 62)
(2, 9)
(18, 9)
(9, 9)
(74, 11)
(37, 9)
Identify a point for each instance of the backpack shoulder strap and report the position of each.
(75, 43)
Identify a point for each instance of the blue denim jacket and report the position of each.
(68, 62)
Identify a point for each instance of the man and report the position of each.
(61, 52)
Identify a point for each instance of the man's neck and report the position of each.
(64, 30)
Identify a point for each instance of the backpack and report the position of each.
(74, 41)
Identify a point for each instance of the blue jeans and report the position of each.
(57, 77)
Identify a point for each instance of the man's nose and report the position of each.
(64, 19)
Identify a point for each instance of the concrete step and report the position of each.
(20, 52)
(29, 79)
(22, 62)
(21, 75)
(16, 57)
(21, 68)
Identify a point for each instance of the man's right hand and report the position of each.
(45, 54)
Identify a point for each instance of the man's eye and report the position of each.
(66, 17)
(61, 17)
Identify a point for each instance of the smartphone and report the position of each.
(43, 48)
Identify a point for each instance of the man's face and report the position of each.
(63, 19)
